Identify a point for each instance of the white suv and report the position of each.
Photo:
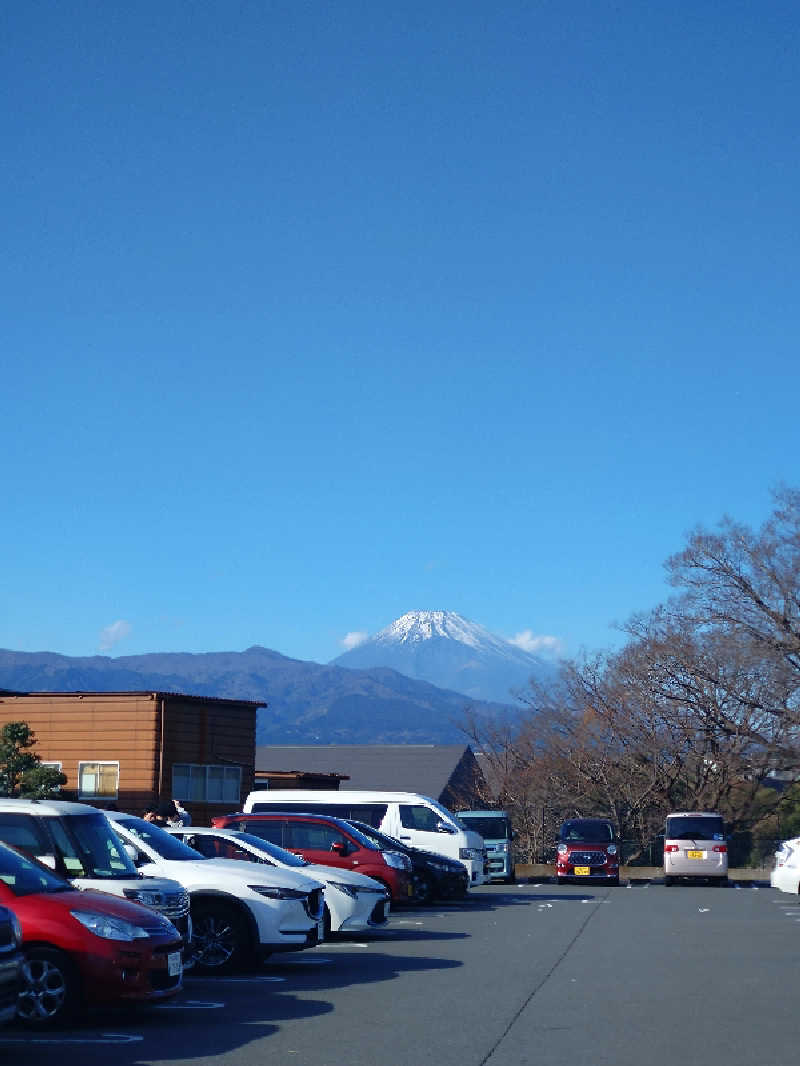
(240, 911)
(77, 842)
(353, 903)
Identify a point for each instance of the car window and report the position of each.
(700, 827)
(25, 832)
(417, 816)
(271, 830)
(313, 836)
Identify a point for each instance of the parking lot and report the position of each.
(533, 973)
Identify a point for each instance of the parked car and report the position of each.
(11, 959)
(411, 818)
(433, 876)
(77, 842)
(240, 912)
(785, 872)
(495, 829)
(587, 849)
(353, 902)
(329, 841)
(84, 948)
(695, 847)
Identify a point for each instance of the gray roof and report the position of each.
(423, 768)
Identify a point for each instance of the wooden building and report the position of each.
(130, 750)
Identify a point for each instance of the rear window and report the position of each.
(695, 827)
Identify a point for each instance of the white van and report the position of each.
(418, 821)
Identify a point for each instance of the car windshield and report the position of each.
(695, 827)
(162, 842)
(587, 831)
(281, 855)
(89, 849)
(486, 826)
(25, 877)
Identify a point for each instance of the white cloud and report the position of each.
(537, 645)
(114, 633)
(352, 640)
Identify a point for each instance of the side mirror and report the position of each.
(443, 827)
(340, 847)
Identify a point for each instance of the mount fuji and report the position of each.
(449, 651)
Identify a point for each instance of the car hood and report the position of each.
(344, 877)
(258, 874)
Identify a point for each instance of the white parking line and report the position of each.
(239, 980)
(103, 1038)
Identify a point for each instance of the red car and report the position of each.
(328, 841)
(84, 948)
(587, 850)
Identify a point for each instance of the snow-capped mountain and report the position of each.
(451, 652)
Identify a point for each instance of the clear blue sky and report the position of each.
(317, 313)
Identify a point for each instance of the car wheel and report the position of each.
(326, 923)
(561, 880)
(668, 882)
(614, 882)
(219, 939)
(50, 990)
(423, 889)
(721, 882)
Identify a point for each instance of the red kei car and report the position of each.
(84, 948)
(587, 850)
(328, 841)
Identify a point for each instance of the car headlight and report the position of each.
(612, 849)
(109, 927)
(146, 896)
(470, 853)
(273, 892)
(347, 889)
(396, 860)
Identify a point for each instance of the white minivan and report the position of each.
(418, 821)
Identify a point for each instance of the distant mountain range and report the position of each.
(451, 652)
(410, 684)
(307, 703)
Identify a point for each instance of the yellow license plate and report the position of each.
(581, 871)
(695, 855)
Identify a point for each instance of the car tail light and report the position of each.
(671, 847)
(721, 848)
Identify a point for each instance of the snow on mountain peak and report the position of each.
(416, 626)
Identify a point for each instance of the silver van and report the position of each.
(695, 847)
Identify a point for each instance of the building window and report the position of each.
(207, 784)
(56, 766)
(98, 780)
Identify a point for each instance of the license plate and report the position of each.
(695, 854)
(174, 964)
(581, 871)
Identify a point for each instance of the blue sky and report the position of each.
(314, 314)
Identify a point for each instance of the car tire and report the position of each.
(614, 882)
(219, 938)
(50, 989)
(326, 923)
(721, 882)
(561, 880)
(668, 882)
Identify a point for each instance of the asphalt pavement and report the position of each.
(533, 973)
